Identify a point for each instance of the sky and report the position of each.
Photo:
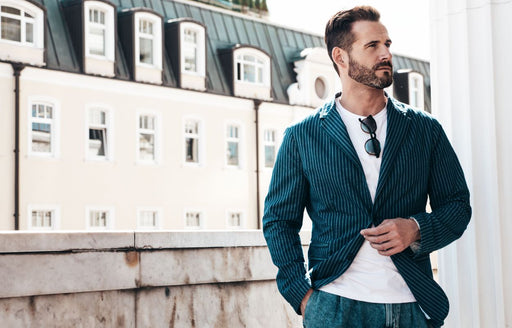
(407, 21)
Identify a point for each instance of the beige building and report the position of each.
(167, 117)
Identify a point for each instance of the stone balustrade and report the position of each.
(140, 279)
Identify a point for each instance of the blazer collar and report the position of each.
(334, 127)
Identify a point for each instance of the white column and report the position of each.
(471, 74)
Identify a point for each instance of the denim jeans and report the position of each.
(325, 310)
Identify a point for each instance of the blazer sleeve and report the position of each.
(282, 221)
(449, 198)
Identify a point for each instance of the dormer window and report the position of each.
(17, 25)
(140, 30)
(249, 70)
(141, 34)
(186, 46)
(408, 87)
(92, 25)
(22, 32)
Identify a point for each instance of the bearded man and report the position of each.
(363, 166)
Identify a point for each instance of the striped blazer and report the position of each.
(317, 169)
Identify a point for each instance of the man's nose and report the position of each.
(385, 54)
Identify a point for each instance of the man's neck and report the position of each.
(363, 101)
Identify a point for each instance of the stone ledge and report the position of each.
(62, 241)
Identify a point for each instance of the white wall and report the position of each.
(471, 76)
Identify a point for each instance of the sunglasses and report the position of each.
(372, 145)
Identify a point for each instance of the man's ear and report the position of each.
(340, 57)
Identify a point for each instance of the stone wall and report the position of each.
(140, 279)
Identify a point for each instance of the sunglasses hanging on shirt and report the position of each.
(372, 145)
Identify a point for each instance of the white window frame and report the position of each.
(54, 123)
(239, 62)
(228, 139)
(416, 93)
(108, 27)
(267, 143)
(156, 137)
(201, 219)
(108, 126)
(156, 37)
(200, 141)
(55, 209)
(229, 214)
(110, 219)
(199, 47)
(157, 210)
(37, 22)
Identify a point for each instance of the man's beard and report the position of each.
(367, 76)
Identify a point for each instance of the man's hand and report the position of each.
(392, 236)
(305, 302)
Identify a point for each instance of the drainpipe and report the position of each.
(17, 68)
(257, 104)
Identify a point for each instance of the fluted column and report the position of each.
(471, 73)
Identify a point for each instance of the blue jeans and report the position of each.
(325, 310)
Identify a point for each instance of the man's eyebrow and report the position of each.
(373, 42)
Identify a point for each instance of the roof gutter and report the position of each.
(17, 68)
(257, 104)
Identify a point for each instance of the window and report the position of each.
(98, 143)
(416, 90)
(99, 36)
(190, 54)
(43, 217)
(251, 72)
(99, 218)
(96, 32)
(233, 145)
(147, 138)
(192, 140)
(249, 68)
(42, 128)
(320, 88)
(146, 39)
(148, 218)
(269, 142)
(16, 25)
(193, 220)
(22, 32)
(235, 220)
(193, 48)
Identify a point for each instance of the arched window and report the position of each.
(252, 75)
(21, 32)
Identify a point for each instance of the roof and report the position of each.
(224, 30)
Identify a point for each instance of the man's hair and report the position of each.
(338, 31)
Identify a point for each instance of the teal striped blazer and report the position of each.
(317, 169)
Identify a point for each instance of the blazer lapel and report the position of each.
(397, 130)
(331, 122)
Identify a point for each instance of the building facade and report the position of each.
(163, 114)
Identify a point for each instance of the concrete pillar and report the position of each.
(471, 72)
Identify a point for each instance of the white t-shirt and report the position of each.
(371, 277)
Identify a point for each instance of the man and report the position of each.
(363, 166)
